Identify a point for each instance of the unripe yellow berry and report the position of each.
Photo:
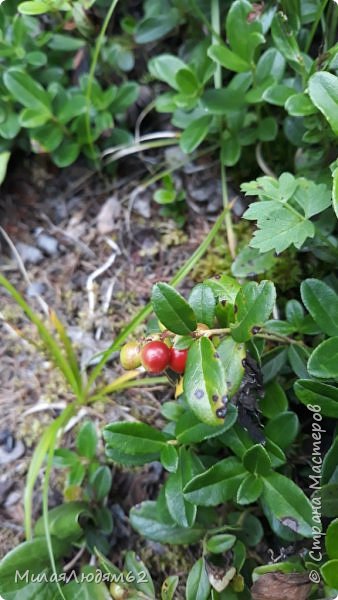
(130, 356)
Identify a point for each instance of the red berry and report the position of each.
(178, 359)
(155, 356)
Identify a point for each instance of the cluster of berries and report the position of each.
(155, 356)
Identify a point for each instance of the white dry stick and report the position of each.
(22, 268)
(97, 273)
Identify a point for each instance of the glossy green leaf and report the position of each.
(250, 489)
(329, 571)
(181, 511)
(323, 362)
(198, 586)
(64, 521)
(254, 305)
(288, 504)
(230, 151)
(322, 303)
(26, 91)
(274, 401)
(65, 43)
(300, 105)
(298, 356)
(257, 461)
(232, 357)
(186, 82)
(273, 362)
(194, 134)
(169, 458)
(66, 153)
(315, 393)
(330, 463)
(154, 27)
(221, 542)
(204, 383)
(142, 578)
(222, 55)
(331, 540)
(86, 440)
(101, 482)
(203, 303)
(323, 91)
(165, 67)
(190, 430)
(267, 129)
(86, 587)
(251, 531)
(220, 101)
(243, 34)
(217, 484)
(36, 7)
(271, 63)
(278, 94)
(285, 40)
(33, 117)
(133, 438)
(31, 555)
(169, 586)
(172, 309)
(144, 520)
(283, 429)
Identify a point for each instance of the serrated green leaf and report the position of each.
(172, 309)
